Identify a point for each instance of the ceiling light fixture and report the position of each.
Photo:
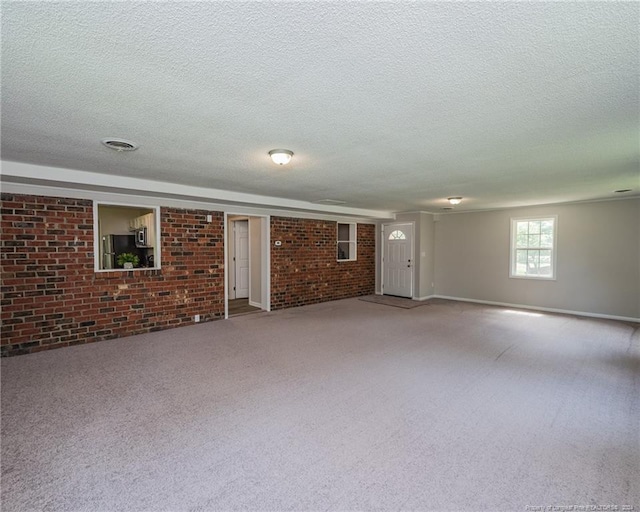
(454, 200)
(280, 156)
(119, 144)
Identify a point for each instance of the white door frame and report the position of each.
(232, 254)
(384, 234)
(265, 264)
(265, 296)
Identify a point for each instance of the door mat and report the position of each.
(397, 302)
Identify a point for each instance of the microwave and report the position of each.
(141, 237)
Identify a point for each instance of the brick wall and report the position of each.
(304, 269)
(51, 296)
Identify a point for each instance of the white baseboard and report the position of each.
(536, 308)
(426, 297)
(255, 304)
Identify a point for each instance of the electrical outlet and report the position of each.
(196, 318)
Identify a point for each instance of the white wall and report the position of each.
(598, 258)
(424, 251)
(426, 256)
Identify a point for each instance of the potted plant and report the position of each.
(128, 260)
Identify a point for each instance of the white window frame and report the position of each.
(96, 237)
(353, 241)
(513, 252)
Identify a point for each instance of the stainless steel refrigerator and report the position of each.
(112, 245)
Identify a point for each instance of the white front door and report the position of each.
(397, 260)
(241, 257)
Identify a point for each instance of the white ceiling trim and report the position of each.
(17, 177)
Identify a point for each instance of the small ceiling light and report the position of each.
(119, 144)
(454, 200)
(280, 156)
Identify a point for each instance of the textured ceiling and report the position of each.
(390, 106)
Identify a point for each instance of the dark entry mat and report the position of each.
(396, 302)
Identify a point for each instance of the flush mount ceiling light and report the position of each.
(280, 156)
(119, 144)
(454, 200)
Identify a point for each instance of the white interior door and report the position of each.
(397, 260)
(241, 249)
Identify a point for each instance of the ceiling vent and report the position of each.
(119, 144)
(329, 201)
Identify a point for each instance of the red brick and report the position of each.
(58, 233)
(304, 269)
(61, 301)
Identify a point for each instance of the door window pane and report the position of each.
(397, 235)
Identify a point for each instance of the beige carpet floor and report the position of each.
(344, 405)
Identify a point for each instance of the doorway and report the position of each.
(397, 259)
(247, 275)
